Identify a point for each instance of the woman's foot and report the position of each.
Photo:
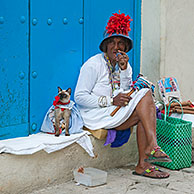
(147, 170)
(157, 155)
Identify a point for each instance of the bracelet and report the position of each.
(102, 101)
(111, 101)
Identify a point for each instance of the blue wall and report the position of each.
(42, 46)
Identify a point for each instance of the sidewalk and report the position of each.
(121, 181)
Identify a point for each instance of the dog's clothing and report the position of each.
(75, 121)
(63, 106)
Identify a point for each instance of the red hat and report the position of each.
(118, 25)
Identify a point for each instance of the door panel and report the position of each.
(96, 16)
(55, 52)
(14, 68)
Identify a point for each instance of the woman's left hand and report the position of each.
(122, 99)
(123, 60)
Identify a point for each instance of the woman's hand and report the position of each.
(122, 60)
(122, 99)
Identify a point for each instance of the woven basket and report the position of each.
(174, 136)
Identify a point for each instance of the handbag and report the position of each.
(174, 136)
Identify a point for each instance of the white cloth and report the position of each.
(186, 117)
(94, 82)
(47, 142)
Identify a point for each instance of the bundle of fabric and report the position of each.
(142, 82)
(169, 89)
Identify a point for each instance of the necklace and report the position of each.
(114, 78)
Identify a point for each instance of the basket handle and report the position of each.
(174, 100)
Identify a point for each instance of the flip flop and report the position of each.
(149, 170)
(153, 158)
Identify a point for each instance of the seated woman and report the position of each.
(102, 85)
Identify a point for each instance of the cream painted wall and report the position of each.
(177, 46)
(150, 57)
(168, 42)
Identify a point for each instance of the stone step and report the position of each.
(23, 174)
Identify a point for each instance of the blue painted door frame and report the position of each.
(43, 45)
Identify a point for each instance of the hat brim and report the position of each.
(129, 41)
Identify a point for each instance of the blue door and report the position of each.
(14, 68)
(42, 46)
(96, 15)
(56, 30)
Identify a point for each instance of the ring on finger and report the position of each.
(126, 103)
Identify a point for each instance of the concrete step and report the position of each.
(23, 174)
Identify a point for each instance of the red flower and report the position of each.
(119, 23)
(57, 98)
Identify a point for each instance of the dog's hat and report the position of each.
(118, 25)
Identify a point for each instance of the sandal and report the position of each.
(153, 158)
(150, 170)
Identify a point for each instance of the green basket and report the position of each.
(174, 136)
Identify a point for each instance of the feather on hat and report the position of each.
(118, 25)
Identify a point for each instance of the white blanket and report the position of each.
(47, 142)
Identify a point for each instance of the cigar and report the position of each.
(184, 111)
(118, 107)
(185, 108)
(186, 103)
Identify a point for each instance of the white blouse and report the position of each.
(94, 82)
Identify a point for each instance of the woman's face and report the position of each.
(113, 45)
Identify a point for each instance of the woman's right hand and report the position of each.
(122, 99)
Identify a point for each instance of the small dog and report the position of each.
(62, 99)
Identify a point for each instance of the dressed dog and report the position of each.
(62, 112)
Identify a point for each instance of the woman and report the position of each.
(102, 85)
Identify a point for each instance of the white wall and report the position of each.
(167, 42)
